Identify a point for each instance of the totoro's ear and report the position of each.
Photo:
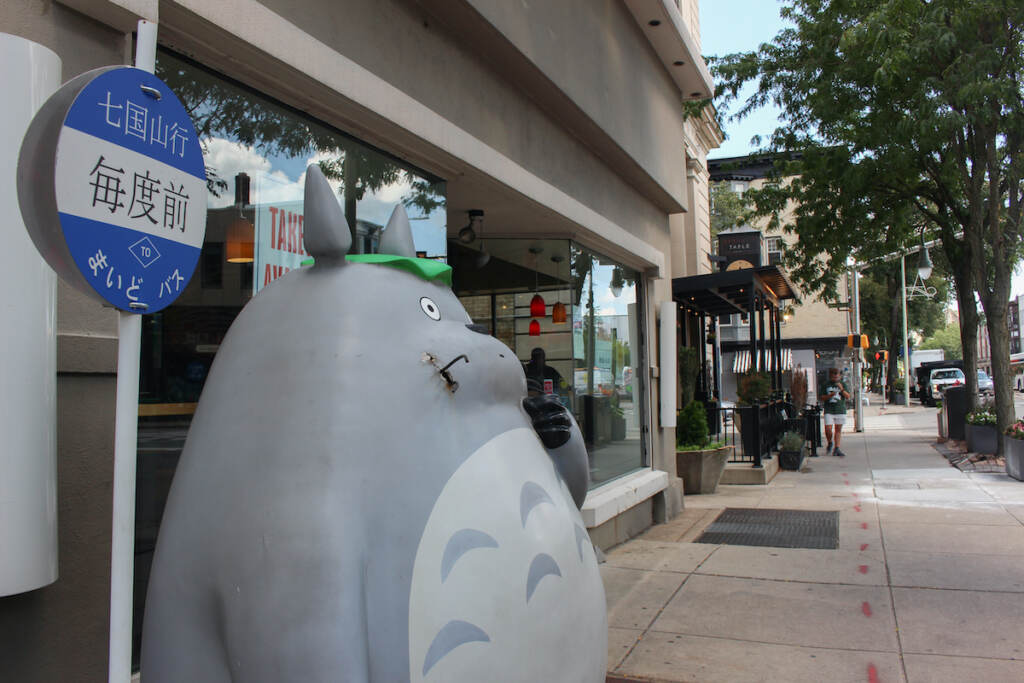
(397, 238)
(325, 231)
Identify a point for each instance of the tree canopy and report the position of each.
(728, 208)
(947, 339)
(904, 120)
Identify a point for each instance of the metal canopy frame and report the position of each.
(750, 291)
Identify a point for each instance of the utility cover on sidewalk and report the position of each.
(775, 528)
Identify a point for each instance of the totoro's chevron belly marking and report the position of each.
(505, 580)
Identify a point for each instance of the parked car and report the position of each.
(940, 380)
(985, 384)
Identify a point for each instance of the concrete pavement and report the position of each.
(927, 583)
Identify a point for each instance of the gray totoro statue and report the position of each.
(366, 494)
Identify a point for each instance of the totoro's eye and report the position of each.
(430, 308)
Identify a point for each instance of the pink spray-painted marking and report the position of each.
(866, 609)
(855, 495)
(863, 569)
(863, 547)
(856, 508)
(872, 674)
(863, 525)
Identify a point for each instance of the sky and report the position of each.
(728, 26)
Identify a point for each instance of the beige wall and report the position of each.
(812, 317)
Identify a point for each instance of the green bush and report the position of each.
(791, 441)
(753, 386)
(689, 369)
(692, 426)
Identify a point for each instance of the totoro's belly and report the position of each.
(505, 583)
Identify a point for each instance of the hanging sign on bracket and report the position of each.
(112, 188)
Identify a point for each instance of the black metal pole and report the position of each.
(753, 330)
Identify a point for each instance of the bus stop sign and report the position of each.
(112, 188)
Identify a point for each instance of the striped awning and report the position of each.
(741, 362)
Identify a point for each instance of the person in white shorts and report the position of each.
(835, 411)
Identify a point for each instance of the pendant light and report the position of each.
(558, 314)
(538, 309)
(534, 328)
(239, 238)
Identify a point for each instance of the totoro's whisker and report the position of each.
(455, 360)
(453, 386)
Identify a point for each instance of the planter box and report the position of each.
(702, 470)
(792, 460)
(1013, 451)
(981, 438)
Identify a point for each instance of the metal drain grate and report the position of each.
(775, 528)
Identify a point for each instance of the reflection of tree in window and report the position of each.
(219, 109)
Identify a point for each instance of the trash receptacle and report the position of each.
(954, 405)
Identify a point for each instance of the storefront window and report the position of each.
(586, 358)
(606, 352)
(256, 153)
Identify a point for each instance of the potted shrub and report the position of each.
(791, 450)
(699, 462)
(752, 388)
(1013, 450)
(980, 427)
(897, 390)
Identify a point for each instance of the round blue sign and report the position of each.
(129, 188)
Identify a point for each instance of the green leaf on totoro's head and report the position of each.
(427, 269)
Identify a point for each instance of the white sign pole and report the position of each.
(122, 544)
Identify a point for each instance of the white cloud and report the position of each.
(229, 158)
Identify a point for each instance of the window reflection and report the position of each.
(586, 361)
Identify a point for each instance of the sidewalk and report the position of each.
(927, 583)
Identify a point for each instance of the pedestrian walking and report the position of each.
(835, 411)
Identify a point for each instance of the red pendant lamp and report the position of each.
(534, 328)
(538, 309)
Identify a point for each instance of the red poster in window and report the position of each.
(549, 386)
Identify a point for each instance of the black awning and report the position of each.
(729, 291)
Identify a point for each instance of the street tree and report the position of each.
(881, 303)
(903, 121)
(947, 339)
(728, 208)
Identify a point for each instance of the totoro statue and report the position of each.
(367, 494)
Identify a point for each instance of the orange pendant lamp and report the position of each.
(238, 246)
(558, 313)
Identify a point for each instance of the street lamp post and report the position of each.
(924, 271)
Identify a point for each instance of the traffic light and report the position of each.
(882, 355)
(857, 341)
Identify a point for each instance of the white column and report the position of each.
(28, 363)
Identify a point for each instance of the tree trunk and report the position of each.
(969, 318)
(351, 178)
(895, 332)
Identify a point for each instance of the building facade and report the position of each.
(814, 333)
(561, 122)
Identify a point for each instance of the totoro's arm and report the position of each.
(562, 437)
